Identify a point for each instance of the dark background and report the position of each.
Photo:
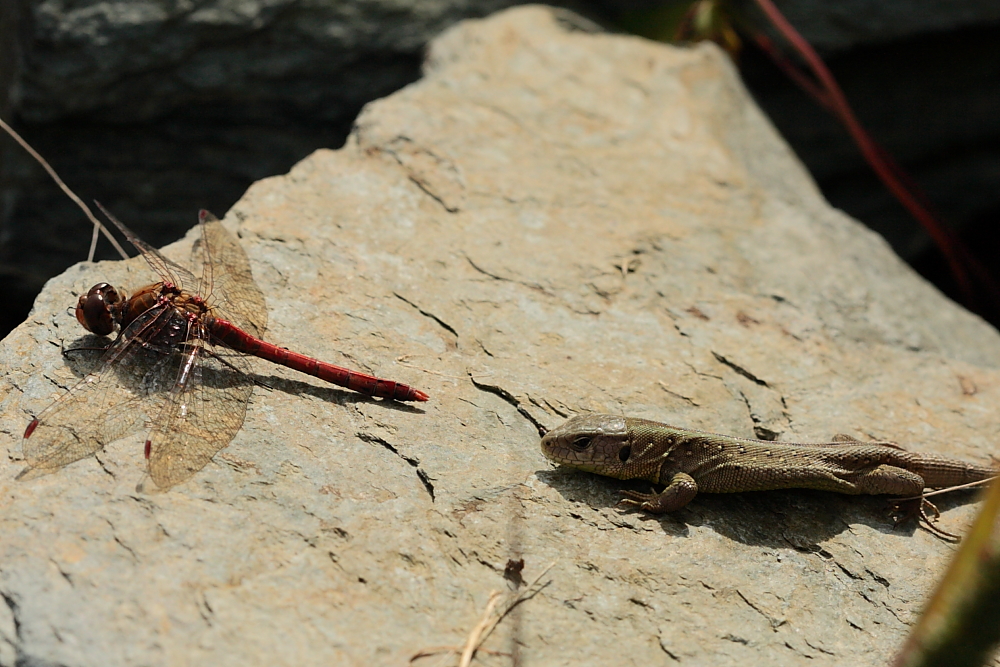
(158, 111)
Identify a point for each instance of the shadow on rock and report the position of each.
(329, 393)
(84, 356)
(799, 518)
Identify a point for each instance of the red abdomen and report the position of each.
(363, 383)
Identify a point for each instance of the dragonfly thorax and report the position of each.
(106, 308)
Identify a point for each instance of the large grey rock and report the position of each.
(158, 107)
(551, 222)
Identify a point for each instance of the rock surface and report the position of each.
(158, 107)
(550, 222)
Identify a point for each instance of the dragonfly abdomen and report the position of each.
(362, 383)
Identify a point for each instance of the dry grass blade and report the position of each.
(938, 492)
(476, 636)
(922, 503)
(69, 193)
(490, 620)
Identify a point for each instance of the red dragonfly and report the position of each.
(179, 363)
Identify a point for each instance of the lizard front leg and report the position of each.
(679, 492)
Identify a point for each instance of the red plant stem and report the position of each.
(793, 72)
(832, 97)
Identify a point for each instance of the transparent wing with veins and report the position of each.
(163, 370)
(205, 408)
(102, 407)
(207, 400)
(228, 283)
(167, 270)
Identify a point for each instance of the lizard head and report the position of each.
(594, 443)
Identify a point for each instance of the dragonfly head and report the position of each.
(94, 309)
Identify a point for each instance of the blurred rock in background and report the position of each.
(160, 107)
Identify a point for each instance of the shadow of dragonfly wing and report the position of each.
(104, 406)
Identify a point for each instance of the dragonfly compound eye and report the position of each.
(93, 310)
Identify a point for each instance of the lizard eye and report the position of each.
(581, 442)
(624, 453)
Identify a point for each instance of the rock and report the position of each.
(139, 59)
(929, 100)
(159, 108)
(840, 26)
(552, 221)
(247, 59)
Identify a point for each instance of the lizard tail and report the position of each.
(940, 472)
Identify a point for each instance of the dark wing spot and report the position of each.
(624, 453)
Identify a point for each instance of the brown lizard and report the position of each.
(689, 461)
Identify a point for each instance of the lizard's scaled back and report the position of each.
(689, 461)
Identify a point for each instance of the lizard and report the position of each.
(689, 461)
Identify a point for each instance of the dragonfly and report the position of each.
(179, 364)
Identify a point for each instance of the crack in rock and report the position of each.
(424, 478)
(494, 276)
(510, 398)
(444, 325)
(760, 431)
(437, 176)
(13, 643)
(739, 369)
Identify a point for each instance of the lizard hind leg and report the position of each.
(681, 490)
(886, 479)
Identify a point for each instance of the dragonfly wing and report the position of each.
(102, 407)
(227, 278)
(205, 409)
(167, 270)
